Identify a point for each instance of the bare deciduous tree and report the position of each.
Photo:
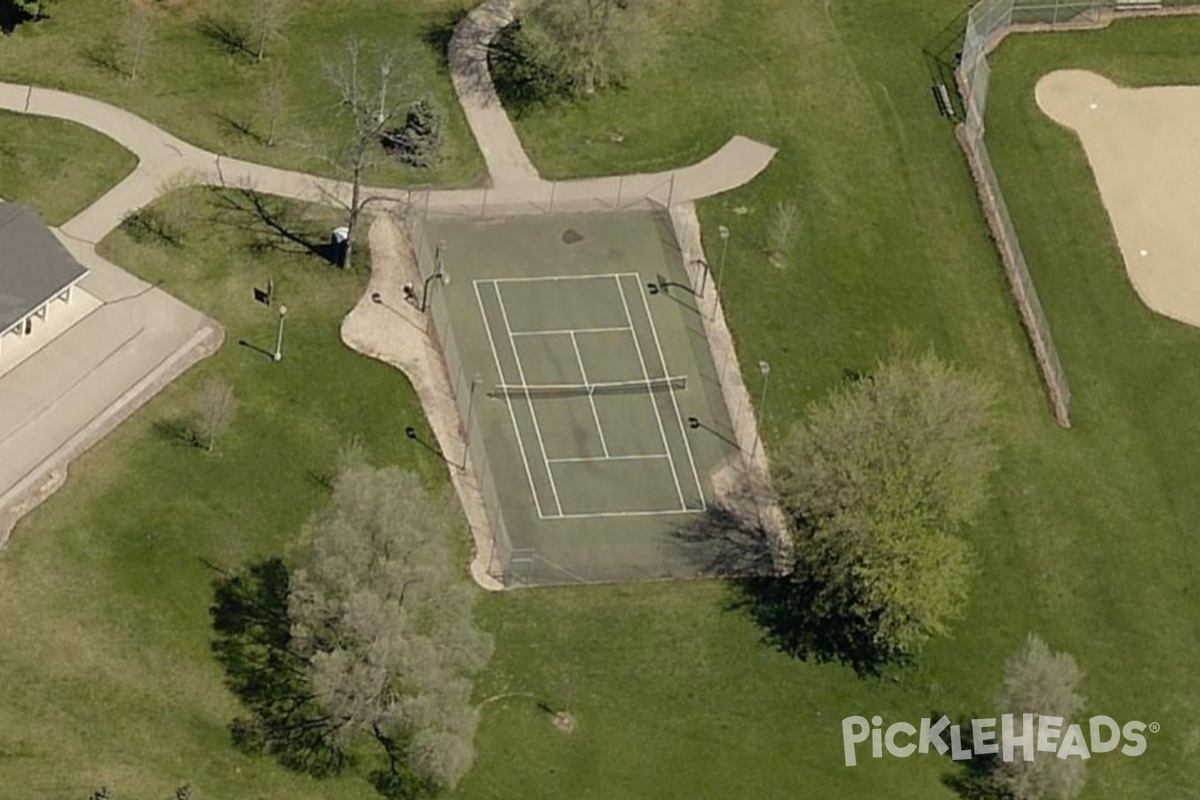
(783, 228)
(217, 409)
(274, 100)
(385, 621)
(135, 38)
(367, 87)
(1043, 683)
(267, 19)
(585, 45)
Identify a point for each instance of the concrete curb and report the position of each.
(44, 479)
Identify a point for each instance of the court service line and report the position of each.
(662, 431)
(674, 403)
(508, 399)
(667, 513)
(562, 331)
(532, 411)
(595, 276)
(591, 399)
(576, 459)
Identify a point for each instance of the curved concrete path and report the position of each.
(489, 122)
(166, 162)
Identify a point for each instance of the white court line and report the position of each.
(551, 278)
(562, 331)
(675, 403)
(532, 411)
(591, 399)
(669, 512)
(576, 459)
(650, 391)
(511, 414)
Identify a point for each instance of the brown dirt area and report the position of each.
(1143, 146)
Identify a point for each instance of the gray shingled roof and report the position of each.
(34, 266)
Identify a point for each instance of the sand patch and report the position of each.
(1144, 149)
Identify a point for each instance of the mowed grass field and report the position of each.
(36, 166)
(103, 595)
(104, 592)
(196, 83)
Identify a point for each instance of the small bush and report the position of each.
(419, 142)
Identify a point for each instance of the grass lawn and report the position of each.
(104, 592)
(1087, 538)
(57, 167)
(193, 83)
(103, 596)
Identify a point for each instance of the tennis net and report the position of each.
(551, 390)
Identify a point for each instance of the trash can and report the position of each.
(337, 242)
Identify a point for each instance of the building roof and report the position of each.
(34, 266)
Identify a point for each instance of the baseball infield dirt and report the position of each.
(1144, 149)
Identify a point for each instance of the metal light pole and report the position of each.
(765, 370)
(279, 336)
(439, 272)
(475, 381)
(723, 232)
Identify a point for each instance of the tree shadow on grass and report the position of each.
(178, 431)
(272, 222)
(104, 56)
(729, 541)
(976, 780)
(253, 644)
(226, 34)
(794, 619)
(239, 128)
(437, 35)
(520, 81)
(516, 76)
(12, 15)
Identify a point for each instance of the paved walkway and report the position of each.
(165, 161)
(181, 335)
(506, 161)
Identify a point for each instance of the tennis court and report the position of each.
(591, 399)
(592, 390)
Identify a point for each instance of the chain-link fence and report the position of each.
(712, 543)
(464, 390)
(987, 23)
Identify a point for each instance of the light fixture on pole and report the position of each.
(723, 232)
(279, 336)
(765, 370)
(475, 381)
(439, 272)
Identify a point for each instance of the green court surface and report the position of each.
(595, 397)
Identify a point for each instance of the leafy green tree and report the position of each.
(385, 621)
(878, 481)
(1043, 683)
(586, 45)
